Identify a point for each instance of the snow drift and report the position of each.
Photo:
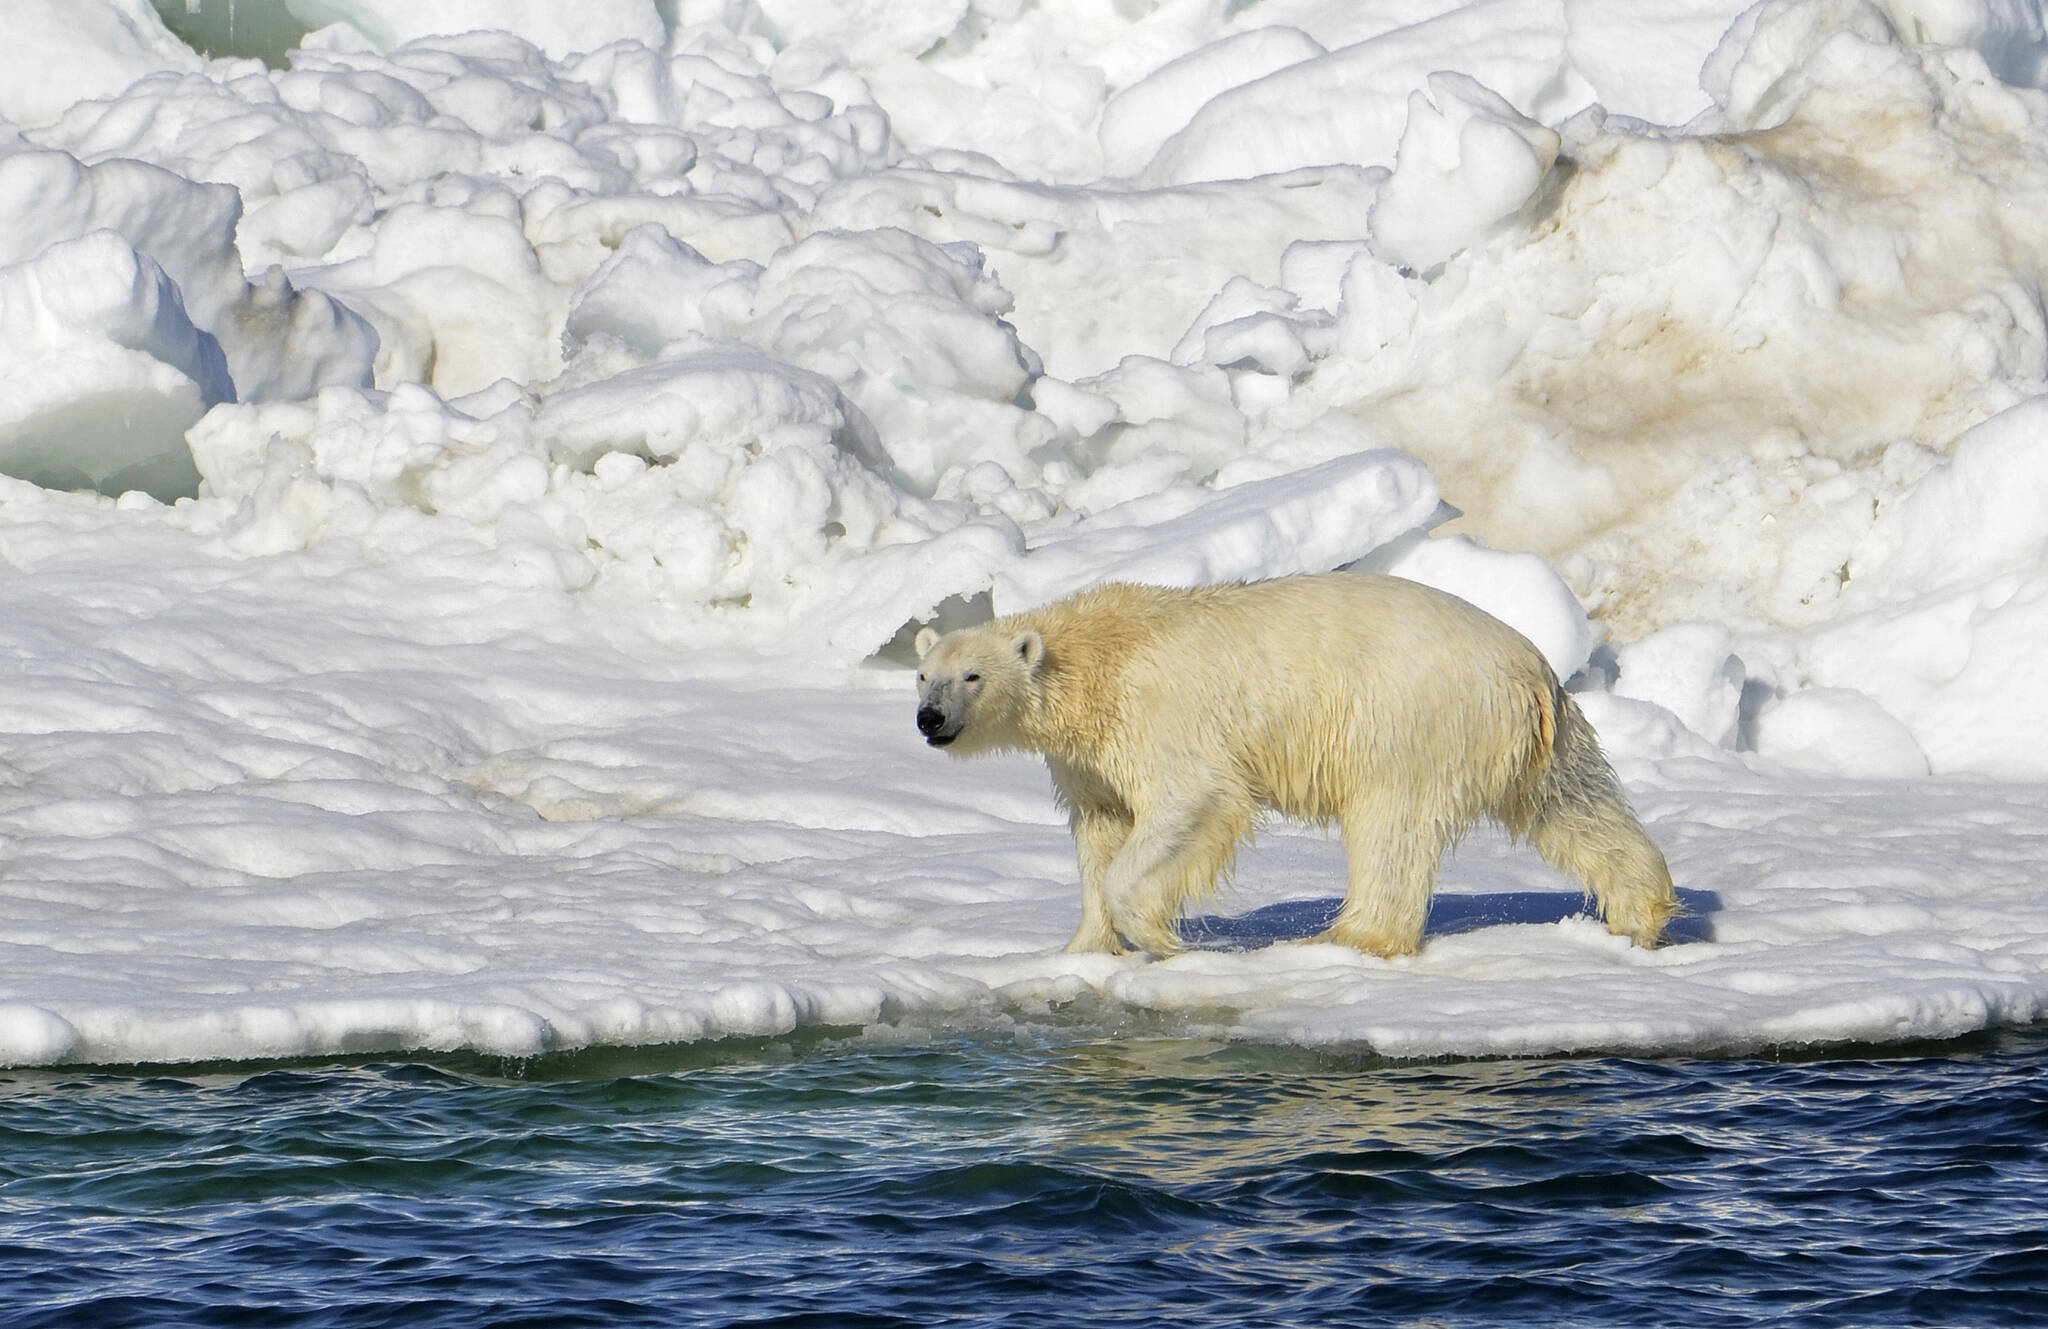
(469, 483)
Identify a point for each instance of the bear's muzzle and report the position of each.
(930, 720)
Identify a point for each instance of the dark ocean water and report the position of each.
(1038, 1183)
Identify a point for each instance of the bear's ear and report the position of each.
(1030, 648)
(926, 639)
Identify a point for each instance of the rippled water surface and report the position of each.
(986, 1182)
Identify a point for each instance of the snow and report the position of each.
(127, 315)
(1138, 120)
(465, 499)
(102, 336)
(1467, 161)
(1291, 118)
(74, 52)
(1644, 62)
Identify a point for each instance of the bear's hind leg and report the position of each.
(1175, 853)
(1394, 850)
(1604, 846)
(1581, 822)
(1099, 832)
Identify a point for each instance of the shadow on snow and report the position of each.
(1295, 920)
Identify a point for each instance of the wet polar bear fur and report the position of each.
(1170, 718)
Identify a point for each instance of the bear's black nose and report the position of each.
(930, 719)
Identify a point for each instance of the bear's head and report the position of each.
(974, 683)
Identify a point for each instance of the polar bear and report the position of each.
(1171, 717)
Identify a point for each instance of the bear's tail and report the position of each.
(1581, 822)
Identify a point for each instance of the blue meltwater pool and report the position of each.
(1032, 1182)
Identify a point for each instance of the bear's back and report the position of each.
(1388, 626)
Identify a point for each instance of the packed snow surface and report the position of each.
(466, 493)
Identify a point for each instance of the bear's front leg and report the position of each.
(1099, 832)
(1176, 850)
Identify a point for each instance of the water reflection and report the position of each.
(1211, 1112)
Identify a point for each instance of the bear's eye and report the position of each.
(920, 678)
(974, 678)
